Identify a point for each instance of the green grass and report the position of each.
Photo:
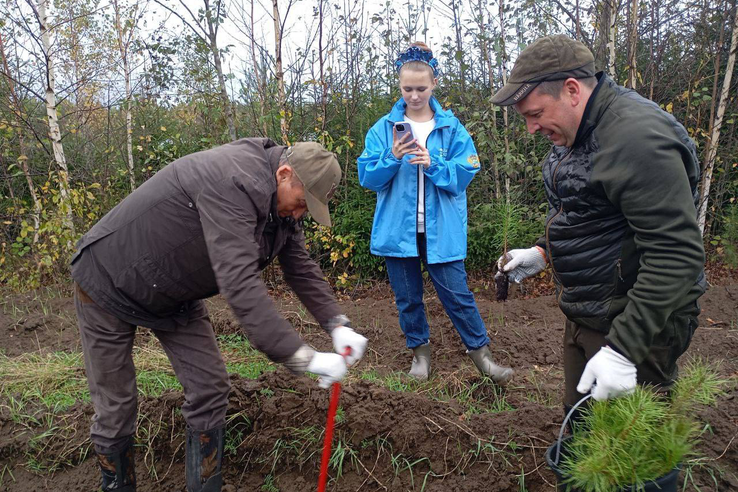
(269, 484)
(57, 381)
(241, 358)
(476, 397)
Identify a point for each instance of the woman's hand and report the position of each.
(422, 157)
(402, 146)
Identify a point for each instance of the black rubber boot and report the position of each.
(118, 470)
(204, 457)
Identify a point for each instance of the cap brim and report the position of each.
(513, 93)
(318, 209)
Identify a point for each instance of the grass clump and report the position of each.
(635, 439)
(241, 358)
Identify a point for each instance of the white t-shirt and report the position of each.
(421, 130)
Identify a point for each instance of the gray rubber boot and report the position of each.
(421, 362)
(203, 460)
(483, 360)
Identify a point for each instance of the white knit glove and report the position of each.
(344, 337)
(522, 263)
(608, 374)
(329, 366)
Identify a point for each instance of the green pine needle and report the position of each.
(641, 437)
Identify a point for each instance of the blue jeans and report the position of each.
(449, 279)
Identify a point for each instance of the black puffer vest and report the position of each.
(588, 240)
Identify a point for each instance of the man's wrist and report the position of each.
(298, 362)
(336, 321)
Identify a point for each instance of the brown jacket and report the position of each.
(204, 224)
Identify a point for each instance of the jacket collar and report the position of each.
(273, 156)
(443, 117)
(602, 97)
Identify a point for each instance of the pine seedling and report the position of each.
(631, 440)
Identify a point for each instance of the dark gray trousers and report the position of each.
(107, 343)
(658, 369)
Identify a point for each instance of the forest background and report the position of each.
(98, 95)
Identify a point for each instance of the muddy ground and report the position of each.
(393, 441)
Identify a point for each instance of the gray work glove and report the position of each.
(522, 263)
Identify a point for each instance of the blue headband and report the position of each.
(414, 53)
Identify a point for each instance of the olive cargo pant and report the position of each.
(107, 343)
(659, 368)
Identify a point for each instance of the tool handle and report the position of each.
(332, 409)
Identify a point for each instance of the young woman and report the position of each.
(421, 211)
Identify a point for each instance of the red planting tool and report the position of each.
(332, 407)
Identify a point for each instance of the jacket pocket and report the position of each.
(673, 341)
(154, 289)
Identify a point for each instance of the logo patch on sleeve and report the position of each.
(473, 160)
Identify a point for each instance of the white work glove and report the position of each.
(344, 337)
(608, 374)
(329, 366)
(522, 263)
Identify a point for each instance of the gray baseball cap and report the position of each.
(319, 172)
(556, 57)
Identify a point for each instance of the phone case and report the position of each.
(403, 128)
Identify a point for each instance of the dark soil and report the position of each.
(398, 441)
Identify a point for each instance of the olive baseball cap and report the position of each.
(556, 57)
(319, 172)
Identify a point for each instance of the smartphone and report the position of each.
(403, 128)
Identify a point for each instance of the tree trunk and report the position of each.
(715, 85)
(612, 5)
(53, 121)
(283, 123)
(23, 156)
(481, 6)
(260, 82)
(652, 61)
(123, 49)
(503, 52)
(633, 46)
(321, 62)
(715, 135)
(212, 38)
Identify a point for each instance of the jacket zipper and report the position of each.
(548, 225)
(417, 198)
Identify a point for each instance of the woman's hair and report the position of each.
(429, 65)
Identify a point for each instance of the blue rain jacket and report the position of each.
(454, 162)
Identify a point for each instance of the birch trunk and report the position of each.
(53, 120)
(613, 14)
(715, 135)
(123, 49)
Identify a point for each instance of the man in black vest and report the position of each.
(621, 234)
